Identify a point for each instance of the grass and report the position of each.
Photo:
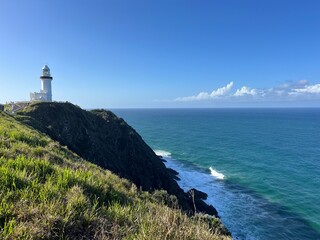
(48, 192)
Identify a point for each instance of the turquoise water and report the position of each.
(260, 167)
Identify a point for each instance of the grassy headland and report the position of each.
(49, 192)
(102, 138)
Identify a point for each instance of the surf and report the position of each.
(216, 174)
(162, 153)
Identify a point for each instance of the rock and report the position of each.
(173, 174)
(196, 197)
(198, 194)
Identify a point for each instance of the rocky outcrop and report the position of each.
(100, 137)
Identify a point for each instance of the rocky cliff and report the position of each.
(100, 137)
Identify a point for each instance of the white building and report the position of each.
(45, 93)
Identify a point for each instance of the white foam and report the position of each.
(162, 153)
(216, 174)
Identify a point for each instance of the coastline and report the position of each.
(236, 205)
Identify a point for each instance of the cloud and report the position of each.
(294, 84)
(290, 91)
(286, 91)
(220, 92)
(245, 91)
(311, 89)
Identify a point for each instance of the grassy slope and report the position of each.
(46, 191)
(102, 138)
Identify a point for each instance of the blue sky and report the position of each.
(165, 53)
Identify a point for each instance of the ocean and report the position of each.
(259, 167)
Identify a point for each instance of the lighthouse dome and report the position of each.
(45, 67)
(45, 70)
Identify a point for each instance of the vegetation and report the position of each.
(49, 192)
(100, 137)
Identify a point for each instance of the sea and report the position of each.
(259, 167)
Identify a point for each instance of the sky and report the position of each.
(163, 53)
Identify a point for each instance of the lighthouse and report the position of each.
(46, 82)
(45, 93)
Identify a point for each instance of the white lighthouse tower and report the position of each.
(46, 82)
(45, 93)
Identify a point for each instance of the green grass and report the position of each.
(48, 192)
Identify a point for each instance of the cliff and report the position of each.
(102, 138)
(49, 192)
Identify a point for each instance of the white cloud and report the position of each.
(222, 91)
(288, 92)
(205, 96)
(245, 91)
(311, 89)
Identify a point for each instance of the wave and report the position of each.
(167, 154)
(162, 153)
(216, 174)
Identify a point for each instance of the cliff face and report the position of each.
(102, 138)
